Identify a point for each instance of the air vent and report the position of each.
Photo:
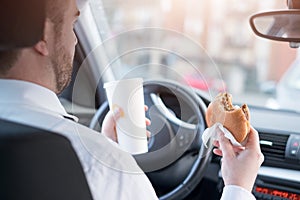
(273, 146)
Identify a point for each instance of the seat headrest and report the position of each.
(21, 23)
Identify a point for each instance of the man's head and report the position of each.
(49, 62)
(61, 22)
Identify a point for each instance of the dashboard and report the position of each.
(279, 176)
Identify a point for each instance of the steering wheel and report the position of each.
(176, 159)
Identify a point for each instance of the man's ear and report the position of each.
(41, 47)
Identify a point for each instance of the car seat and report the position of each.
(38, 164)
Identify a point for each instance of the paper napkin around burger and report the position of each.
(213, 131)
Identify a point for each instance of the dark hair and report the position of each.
(55, 12)
(8, 59)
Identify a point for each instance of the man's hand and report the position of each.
(240, 165)
(109, 124)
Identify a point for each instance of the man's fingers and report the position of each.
(216, 143)
(148, 133)
(148, 122)
(108, 126)
(117, 113)
(109, 119)
(146, 108)
(253, 143)
(225, 145)
(218, 152)
(253, 139)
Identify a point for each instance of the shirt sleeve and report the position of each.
(233, 192)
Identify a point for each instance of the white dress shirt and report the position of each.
(111, 173)
(233, 192)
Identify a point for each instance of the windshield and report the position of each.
(205, 44)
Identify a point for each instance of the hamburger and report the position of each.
(234, 118)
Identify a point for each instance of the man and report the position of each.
(31, 77)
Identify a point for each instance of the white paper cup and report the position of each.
(128, 95)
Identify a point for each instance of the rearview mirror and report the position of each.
(281, 25)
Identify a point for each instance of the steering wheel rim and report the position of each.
(148, 161)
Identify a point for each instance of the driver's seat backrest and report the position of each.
(39, 165)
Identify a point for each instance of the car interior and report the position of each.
(178, 165)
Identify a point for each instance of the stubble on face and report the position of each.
(62, 64)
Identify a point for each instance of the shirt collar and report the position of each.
(23, 92)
